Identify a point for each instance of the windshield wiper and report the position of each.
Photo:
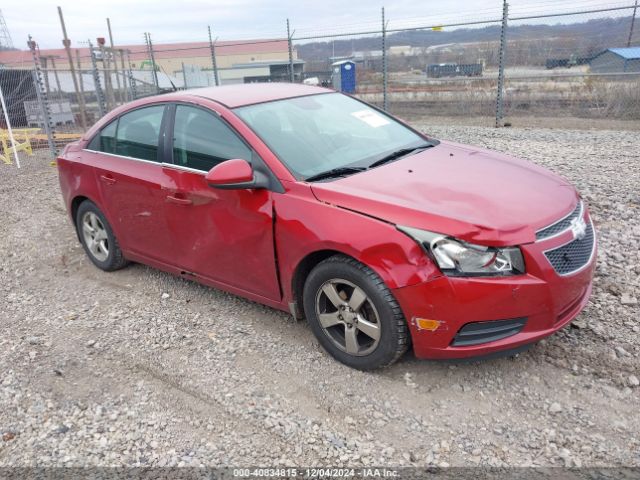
(399, 153)
(334, 172)
(342, 171)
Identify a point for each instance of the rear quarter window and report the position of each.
(105, 140)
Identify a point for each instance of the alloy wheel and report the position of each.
(95, 236)
(348, 317)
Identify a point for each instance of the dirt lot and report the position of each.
(141, 368)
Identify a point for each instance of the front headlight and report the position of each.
(459, 258)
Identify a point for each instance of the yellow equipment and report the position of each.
(22, 137)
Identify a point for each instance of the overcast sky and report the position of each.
(187, 20)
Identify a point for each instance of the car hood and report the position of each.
(470, 193)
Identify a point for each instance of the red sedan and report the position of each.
(314, 202)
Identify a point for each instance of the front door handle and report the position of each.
(178, 200)
(108, 179)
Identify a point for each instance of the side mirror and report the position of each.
(231, 174)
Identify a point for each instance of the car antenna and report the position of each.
(175, 89)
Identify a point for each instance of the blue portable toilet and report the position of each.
(344, 76)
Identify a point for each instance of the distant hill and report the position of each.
(527, 44)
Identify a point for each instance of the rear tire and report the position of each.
(97, 238)
(354, 315)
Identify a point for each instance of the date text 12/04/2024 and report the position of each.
(315, 473)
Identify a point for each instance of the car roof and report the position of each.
(230, 96)
(243, 94)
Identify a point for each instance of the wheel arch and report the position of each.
(302, 270)
(313, 258)
(73, 210)
(74, 205)
(387, 347)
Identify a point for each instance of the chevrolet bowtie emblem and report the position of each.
(578, 228)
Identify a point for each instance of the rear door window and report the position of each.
(138, 133)
(202, 140)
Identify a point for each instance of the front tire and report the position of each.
(97, 238)
(354, 315)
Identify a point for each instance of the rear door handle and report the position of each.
(108, 179)
(178, 200)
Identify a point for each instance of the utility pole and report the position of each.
(96, 82)
(289, 42)
(106, 69)
(55, 73)
(80, 79)
(42, 95)
(633, 21)
(125, 94)
(45, 68)
(132, 80)
(67, 46)
(49, 63)
(115, 61)
(385, 103)
(184, 77)
(212, 47)
(503, 46)
(152, 58)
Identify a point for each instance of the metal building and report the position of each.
(169, 57)
(617, 60)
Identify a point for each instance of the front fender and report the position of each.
(304, 225)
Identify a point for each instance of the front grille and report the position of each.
(482, 332)
(561, 225)
(574, 255)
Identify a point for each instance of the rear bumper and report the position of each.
(547, 300)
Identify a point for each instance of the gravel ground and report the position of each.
(139, 368)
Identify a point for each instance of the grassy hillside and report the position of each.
(528, 44)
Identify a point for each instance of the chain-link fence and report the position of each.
(495, 67)
(350, 63)
(560, 68)
(69, 101)
(441, 77)
(17, 90)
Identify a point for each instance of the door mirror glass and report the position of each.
(231, 174)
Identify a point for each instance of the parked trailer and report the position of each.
(552, 63)
(438, 70)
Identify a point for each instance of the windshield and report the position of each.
(317, 133)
